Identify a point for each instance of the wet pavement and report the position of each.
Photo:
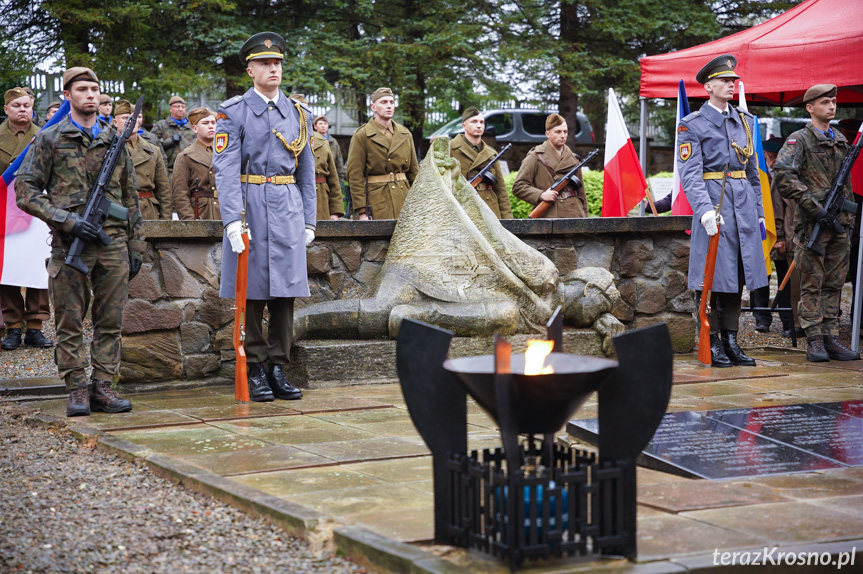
(352, 455)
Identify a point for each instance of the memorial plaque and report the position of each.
(850, 408)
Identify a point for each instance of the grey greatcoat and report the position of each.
(704, 145)
(277, 214)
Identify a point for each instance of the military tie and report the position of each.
(272, 104)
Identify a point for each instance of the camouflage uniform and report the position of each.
(64, 161)
(165, 130)
(805, 170)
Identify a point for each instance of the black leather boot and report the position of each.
(259, 387)
(815, 352)
(104, 398)
(35, 338)
(835, 350)
(718, 358)
(281, 386)
(79, 402)
(12, 340)
(733, 350)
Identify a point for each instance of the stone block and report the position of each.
(178, 282)
(335, 279)
(204, 259)
(596, 254)
(683, 303)
(681, 327)
(189, 312)
(377, 251)
(634, 255)
(623, 311)
(651, 297)
(368, 273)
(627, 290)
(145, 285)
(351, 289)
(351, 254)
(151, 356)
(317, 259)
(224, 338)
(564, 259)
(230, 355)
(195, 337)
(140, 316)
(675, 284)
(214, 310)
(198, 366)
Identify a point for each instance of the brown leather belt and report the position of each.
(320, 180)
(390, 177)
(203, 194)
(277, 179)
(145, 195)
(719, 174)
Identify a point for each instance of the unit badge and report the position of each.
(268, 43)
(221, 116)
(220, 143)
(685, 151)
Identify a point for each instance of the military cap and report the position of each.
(382, 93)
(53, 106)
(13, 94)
(104, 99)
(719, 67)
(818, 91)
(774, 144)
(553, 121)
(78, 73)
(29, 92)
(262, 46)
(319, 118)
(198, 114)
(176, 100)
(123, 107)
(469, 113)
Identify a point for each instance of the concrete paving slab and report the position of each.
(397, 471)
(404, 525)
(715, 389)
(365, 499)
(252, 460)
(686, 495)
(190, 440)
(365, 449)
(806, 485)
(291, 430)
(300, 482)
(662, 537)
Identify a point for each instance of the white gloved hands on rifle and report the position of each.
(234, 231)
(310, 236)
(710, 220)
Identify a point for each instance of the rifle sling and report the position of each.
(567, 191)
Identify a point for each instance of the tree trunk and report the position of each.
(233, 68)
(569, 36)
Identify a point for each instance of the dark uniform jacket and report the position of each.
(496, 197)
(326, 179)
(165, 130)
(154, 190)
(10, 146)
(151, 137)
(373, 154)
(534, 178)
(195, 163)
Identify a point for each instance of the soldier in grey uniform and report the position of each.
(270, 132)
(709, 139)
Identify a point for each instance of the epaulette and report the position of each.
(745, 112)
(232, 102)
(361, 126)
(304, 105)
(690, 116)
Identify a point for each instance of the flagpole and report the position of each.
(642, 152)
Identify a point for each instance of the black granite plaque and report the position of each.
(850, 408)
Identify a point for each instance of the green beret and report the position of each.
(719, 67)
(469, 113)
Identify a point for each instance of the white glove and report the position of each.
(234, 231)
(709, 220)
(310, 236)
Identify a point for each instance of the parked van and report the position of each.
(782, 127)
(518, 126)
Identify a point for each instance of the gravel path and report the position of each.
(67, 507)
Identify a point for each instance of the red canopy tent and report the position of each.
(816, 42)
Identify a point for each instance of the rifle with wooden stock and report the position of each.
(197, 198)
(485, 173)
(704, 353)
(241, 375)
(559, 185)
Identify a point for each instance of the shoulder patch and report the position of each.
(682, 129)
(791, 141)
(220, 142)
(685, 151)
(221, 116)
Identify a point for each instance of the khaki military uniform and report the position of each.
(61, 163)
(326, 179)
(381, 169)
(472, 161)
(338, 157)
(151, 137)
(165, 130)
(194, 167)
(804, 172)
(534, 178)
(35, 306)
(154, 190)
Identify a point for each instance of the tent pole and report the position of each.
(855, 319)
(642, 145)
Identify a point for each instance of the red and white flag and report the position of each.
(623, 183)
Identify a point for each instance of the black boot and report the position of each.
(815, 352)
(281, 386)
(104, 398)
(259, 388)
(35, 338)
(835, 350)
(733, 350)
(79, 402)
(718, 358)
(12, 340)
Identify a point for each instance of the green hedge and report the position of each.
(592, 188)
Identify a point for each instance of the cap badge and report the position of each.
(268, 43)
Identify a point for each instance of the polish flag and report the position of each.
(24, 239)
(623, 183)
(679, 203)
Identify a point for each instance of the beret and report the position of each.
(78, 73)
(318, 118)
(819, 90)
(104, 99)
(176, 100)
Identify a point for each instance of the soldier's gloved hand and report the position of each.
(709, 220)
(310, 236)
(824, 218)
(134, 266)
(234, 231)
(83, 229)
(763, 227)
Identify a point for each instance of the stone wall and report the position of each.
(176, 326)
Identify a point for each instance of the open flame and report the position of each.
(535, 355)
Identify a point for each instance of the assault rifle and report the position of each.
(560, 185)
(98, 206)
(485, 173)
(704, 353)
(836, 198)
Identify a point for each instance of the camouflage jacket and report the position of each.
(805, 170)
(65, 163)
(165, 130)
